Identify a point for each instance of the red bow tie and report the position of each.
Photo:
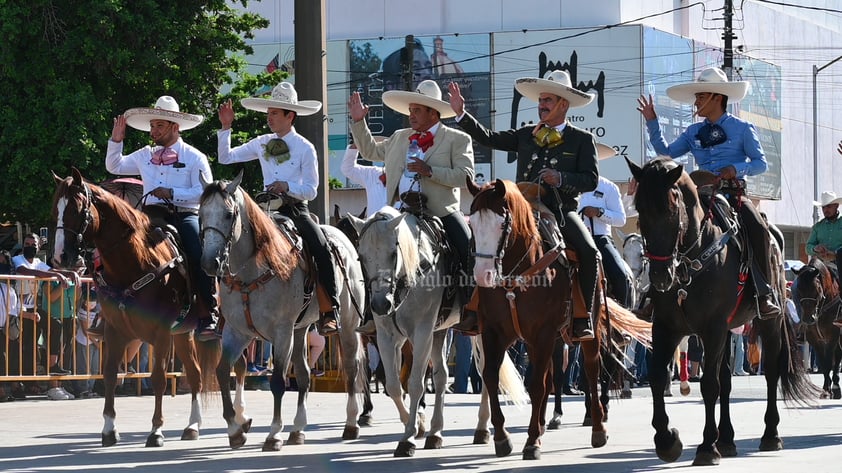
(425, 140)
(164, 156)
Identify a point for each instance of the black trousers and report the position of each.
(577, 236)
(459, 235)
(317, 244)
(758, 237)
(615, 269)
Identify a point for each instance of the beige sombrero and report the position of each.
(166, 108)
(427, 94)
(828, 198)
(712, 80)
(556, 83)
(604, 151)
(284, 97)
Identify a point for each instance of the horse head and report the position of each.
(502, 223)
(634, 254)
(75, 219)
(669, 216)
(345, 226)
(813, 287)
(220, 219)
(389, 252)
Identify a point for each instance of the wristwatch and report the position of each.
(601, 212)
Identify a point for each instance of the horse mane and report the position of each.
(523, 221)
(272, 250)
(825, 275)
(407, 245)
(653, 192)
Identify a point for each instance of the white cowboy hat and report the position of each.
(604, 151)
(556, 83)
(711, 80)
(166, 108)
(427, 94)
(828, 198)
(284, 97)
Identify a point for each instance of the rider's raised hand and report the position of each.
(356, 108)
(118, 132)
(226, 114)
(646, 107)
(457, 102)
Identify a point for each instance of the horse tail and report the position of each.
(209, 354)
(796, 386)
(511, 382)
(626, 323)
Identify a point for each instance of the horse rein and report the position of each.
(87, 219)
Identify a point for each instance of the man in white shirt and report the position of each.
(170, 172)
(372, 177)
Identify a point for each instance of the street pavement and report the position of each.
(54, 436)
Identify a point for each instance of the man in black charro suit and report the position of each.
(562, 158)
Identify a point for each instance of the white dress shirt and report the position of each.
(366, 176)
(300, 171)
(606, 196)
(182, 176)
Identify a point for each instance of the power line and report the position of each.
(804, 7)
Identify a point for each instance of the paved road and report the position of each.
(41, 435)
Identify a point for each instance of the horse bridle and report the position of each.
(87, 218)
(224, 266)
(398, 286)
(502, 243)
(684, 266)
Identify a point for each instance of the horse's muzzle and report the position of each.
(382, 303)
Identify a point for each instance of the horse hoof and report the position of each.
(684, 388)
(433, 442)
(405, 449)
(296, 438)
(503, 448)
(272, 445)
(364, 421)
(555, 422)
(111, 438)
(727, 450)
(532, 452)
(246, 426)
(599, 439)
(707, 458)
(626, 394)
(836, 393)
(671, 452)
(587, 422)
(824, 394)
(155, 440)
(351, 432)
(771, 444)
(237, 440)
(190, 434)
(481, 437)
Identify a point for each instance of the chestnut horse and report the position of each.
(816, 290)
(527, 294)
(143, 288)
(698, 287)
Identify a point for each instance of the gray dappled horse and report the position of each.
(262, 294)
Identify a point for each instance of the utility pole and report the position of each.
(729, 36)
(311, 84)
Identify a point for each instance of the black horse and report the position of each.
(698, 287)
(816, 290)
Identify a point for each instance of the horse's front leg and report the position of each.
(559, 371)
(421, 348)
(725, 442)
(354, 369)
(113, 355)
(390, 355)
(237, 423)
(668, 444)
(185, 350)
(539, 356)
(302, 379)
(435, 436)
(159, 384)
(714, 342)
(494, 351)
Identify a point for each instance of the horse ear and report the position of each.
(204, 180)
(500, 187)
(58, 180)
(356, 222)
(232, 187)
(620, 233)
(336, 217)
(362, 214)
(674, 174)
(634, 168)
(77, 176)
(395, 222)
(473, 188)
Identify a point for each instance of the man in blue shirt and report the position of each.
(726, 146)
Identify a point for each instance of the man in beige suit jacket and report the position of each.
(447, 162)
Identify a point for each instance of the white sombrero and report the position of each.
(284, 97)
(712, 80)
(427, 94)
(166, 108)
(556, 83)
(828, 198)
(604, 151)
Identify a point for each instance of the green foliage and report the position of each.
(364, 62)
(69, 67)
(334, 183)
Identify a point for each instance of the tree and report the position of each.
(69, 67)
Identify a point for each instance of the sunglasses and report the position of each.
(548, 137)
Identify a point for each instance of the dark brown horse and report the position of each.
(526, 294)
(816, 290)
(698, 287)
(143, 289)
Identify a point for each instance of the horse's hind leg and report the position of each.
(302, 379)
(725, 443)
(592, 364)
(559, 372)
(715, 342)
(185, 350)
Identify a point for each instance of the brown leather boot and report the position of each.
(468, 322)
(581, 330)
(327, 323)
(767, 307)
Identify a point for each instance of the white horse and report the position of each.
(634, 255)
(407, 274)
(262, 294)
